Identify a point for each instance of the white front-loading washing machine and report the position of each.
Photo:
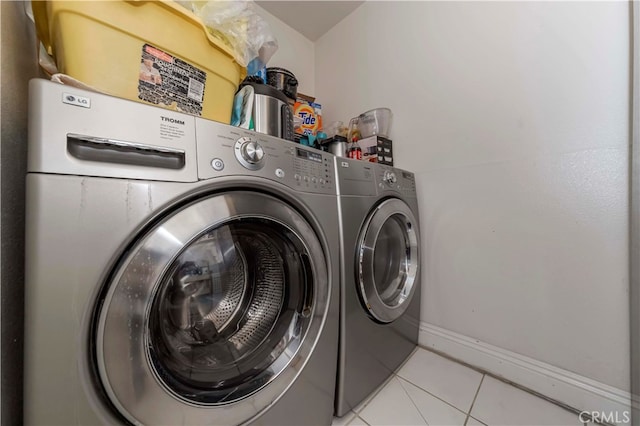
(380, 276)
(178, 271)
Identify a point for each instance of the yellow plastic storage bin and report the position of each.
(154, 52)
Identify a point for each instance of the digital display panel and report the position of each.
(407, 175)
(313, 156)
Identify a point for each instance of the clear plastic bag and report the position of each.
(239, 25)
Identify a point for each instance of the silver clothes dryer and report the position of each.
(178, 271)
(380, 276)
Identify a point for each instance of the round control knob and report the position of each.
(389, 178)
(252, 152)
(249, 153)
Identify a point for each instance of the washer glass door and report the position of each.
(387, 260)
(213, 313)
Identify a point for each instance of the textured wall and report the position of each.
(295, 53)
(515, 118)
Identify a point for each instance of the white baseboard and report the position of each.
(573, 390)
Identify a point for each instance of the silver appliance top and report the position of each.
(360, 178)
(77, 132)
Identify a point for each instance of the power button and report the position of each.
(217, 164)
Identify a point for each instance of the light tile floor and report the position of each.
(432, 390)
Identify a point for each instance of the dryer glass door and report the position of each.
(387, 260)
(213, 313)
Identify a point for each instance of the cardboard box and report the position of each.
(385, 151)
(377, 149)
(301, 97)
(310, 113)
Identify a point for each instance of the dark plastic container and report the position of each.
(283, 80)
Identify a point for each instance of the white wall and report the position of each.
(514, 116)
(295, 53)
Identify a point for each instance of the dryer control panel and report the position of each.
(396, 180)
(356, 177)
(225, 150)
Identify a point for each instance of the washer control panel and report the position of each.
(225, 150)
(312, 168)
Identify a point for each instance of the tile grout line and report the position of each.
(363, 420)
(346, 415)
(412, 401)
(474, 400)
(433, 395)
(507, 381)
(383, 385)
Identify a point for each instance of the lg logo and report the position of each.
(76, 100)
(83, 101)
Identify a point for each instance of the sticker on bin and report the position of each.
(171, 82)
